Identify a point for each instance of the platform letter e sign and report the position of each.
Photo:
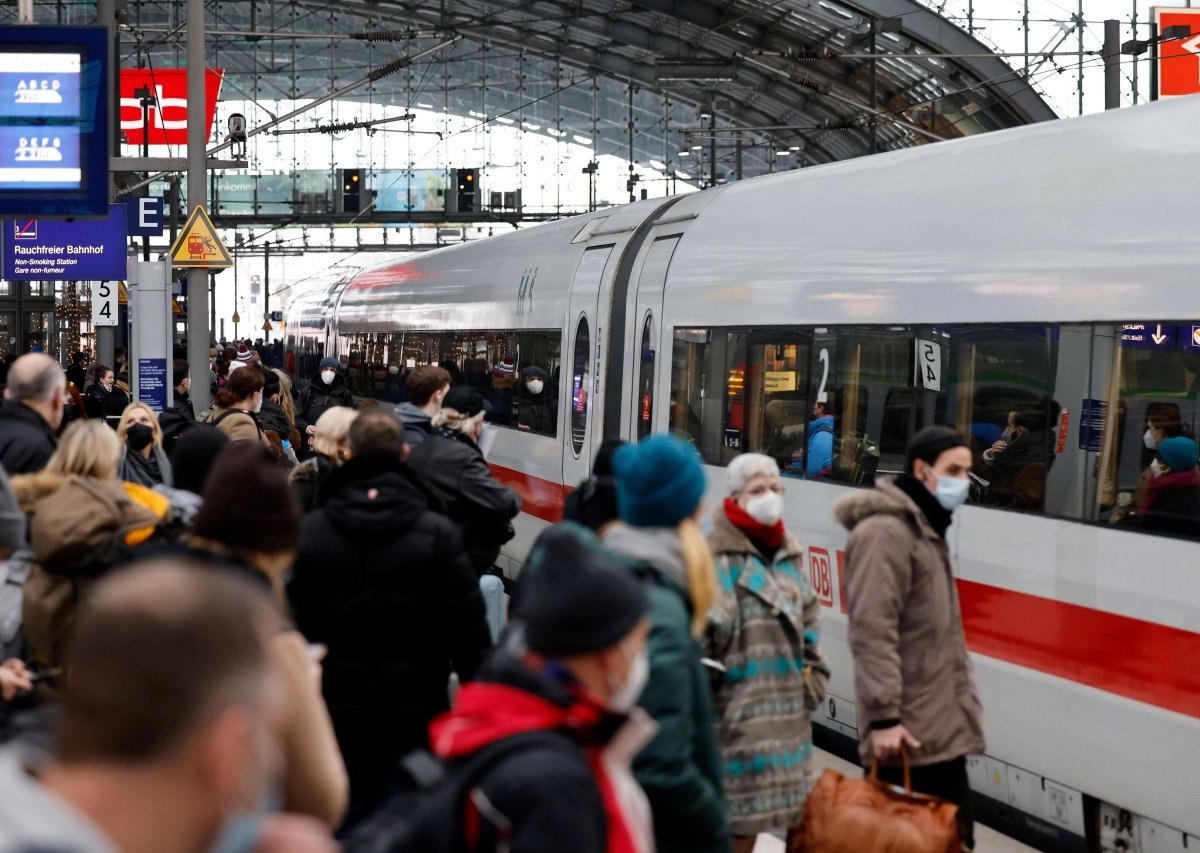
(821, 573)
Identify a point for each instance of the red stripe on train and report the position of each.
(1145, 661)
(1139, 660)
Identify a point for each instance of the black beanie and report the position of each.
(930, 443)
(248, 503)
(575, 597)
(194, 455)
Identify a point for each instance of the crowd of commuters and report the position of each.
(265, 626)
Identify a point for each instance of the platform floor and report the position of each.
(986, 840)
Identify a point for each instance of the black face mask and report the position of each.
(138, 436)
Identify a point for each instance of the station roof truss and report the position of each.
(750, 79)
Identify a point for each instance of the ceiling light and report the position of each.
(683, 176)
(693, 70)
(655, 164)
(685, 153)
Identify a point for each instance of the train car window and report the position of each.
(775, 393)
(538, 365)
(697, 390)
(645, 398)
(1147, 452)
(580, 386)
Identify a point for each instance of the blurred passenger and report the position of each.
(536, 407)
(594, 503)
(283, 397)
(913, 677)
(387, 586)
(143, 460)
(277, 426)
(180, 416)
(395, 388)
(1171, 503)
(330, 451)
(1019, 462)
(16, 562)
(173, 771)
(660, 491)
(73, 407)
(572, 673)
(96, 396)
(194, 456)
(767, 611)
(77, 372)
(451, 464)
(236, 406)
(327, 390)
(818, 461)
(31, 414)
(250, 523)
(82, 517)
(427, 388)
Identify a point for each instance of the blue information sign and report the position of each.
(1093, 416)
(1149, 335)
(145, 215)
(57, 250)
(152, 382)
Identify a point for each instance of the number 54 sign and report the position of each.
(929, 365)
(104, 303)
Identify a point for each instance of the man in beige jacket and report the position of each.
(913, 676)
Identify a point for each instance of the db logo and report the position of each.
(166, 116)
(821, 571)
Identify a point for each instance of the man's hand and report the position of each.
(293, 833)
(888, 742)
(14, 680)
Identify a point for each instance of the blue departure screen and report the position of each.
(46, 158)
(40, 85)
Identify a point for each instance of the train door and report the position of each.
(647, 335)
(581, 363)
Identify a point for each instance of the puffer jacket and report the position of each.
(765, 630)
(910, 655)
(453, 468)
(386, 585)
(680, 769)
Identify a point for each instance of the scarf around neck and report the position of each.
(768, 535)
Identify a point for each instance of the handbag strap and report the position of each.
(874, 772)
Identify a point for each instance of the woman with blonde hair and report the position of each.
(660, 492)
(143, 460)
(330, 450)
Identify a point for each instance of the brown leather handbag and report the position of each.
(843, 815)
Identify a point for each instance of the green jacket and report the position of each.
(680, 769)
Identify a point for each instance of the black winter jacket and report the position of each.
(453, 467)
(1175, 510)
(26, 441)
(318, 397)
(387, 586)
(102, 403)
(175, 421)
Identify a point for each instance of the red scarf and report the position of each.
(486, 713)
(768, 535)
(1155, 486)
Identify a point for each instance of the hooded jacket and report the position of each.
(387, 586)
(453, 468)
(26, 441)
(910, 655)
(819, 456)
(680, 769)
(560, 792)
(417, 424)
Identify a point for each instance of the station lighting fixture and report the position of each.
(697, 147)
(782, 152)
(669, 70)
(1136, 47)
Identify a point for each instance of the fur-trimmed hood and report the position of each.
(884, 499)
(30, 489)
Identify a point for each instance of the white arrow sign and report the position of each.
(1192, 45)
(1158, 337)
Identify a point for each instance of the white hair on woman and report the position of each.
(451, 419)
(745, 467)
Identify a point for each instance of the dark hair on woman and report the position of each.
(241, 384)
(99, 370)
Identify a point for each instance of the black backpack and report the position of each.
(429, 814)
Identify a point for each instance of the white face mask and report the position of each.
(952, 492)
(327, 376)
(1156, 468)
(625, 696)
(535, 386)
(766, 508)
(1149, 440)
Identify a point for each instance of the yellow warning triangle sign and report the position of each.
(198, 244)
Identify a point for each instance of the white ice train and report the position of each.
(1052, 267)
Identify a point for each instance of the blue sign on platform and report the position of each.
(145, 216)
(1093, 417)
(73, 250)
(152, 382)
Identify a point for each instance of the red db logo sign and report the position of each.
(821, 573)
(167, 116)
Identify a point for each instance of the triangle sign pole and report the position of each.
(199, 246)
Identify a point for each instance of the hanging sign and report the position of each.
(104, 303)
(66, 250)
(198, 245)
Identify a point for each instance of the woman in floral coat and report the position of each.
(764, 631)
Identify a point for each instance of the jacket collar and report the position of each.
(20, 412)
(726, 538)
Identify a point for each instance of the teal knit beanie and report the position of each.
(660, 481)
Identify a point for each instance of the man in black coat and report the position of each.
(180, 416)
(386, 585)
(31, 414)
(326, 390)
(450, 462)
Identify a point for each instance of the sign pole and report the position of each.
(197, 183)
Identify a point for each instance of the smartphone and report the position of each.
(44, 674)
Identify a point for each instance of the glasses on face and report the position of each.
(777, 488)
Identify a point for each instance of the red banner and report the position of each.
(167, 116)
